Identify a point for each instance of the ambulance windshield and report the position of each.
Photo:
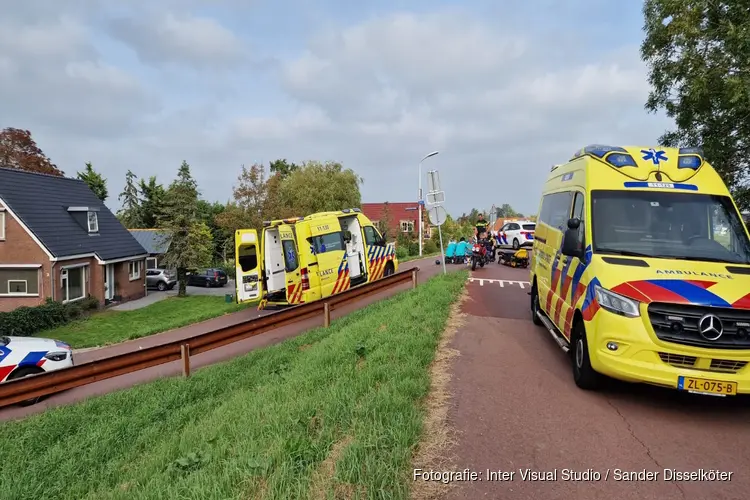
(668, 225)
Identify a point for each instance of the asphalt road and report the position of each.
(427, 270)
(515, 406)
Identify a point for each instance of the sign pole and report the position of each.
(442, 252)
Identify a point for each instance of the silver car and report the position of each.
(161, 279)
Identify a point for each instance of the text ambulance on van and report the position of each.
(304, 259)
(641, 266)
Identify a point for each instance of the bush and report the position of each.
(430, 247)
(402, 252)
(26, 321)
(228, 267)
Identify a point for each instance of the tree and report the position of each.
(506, 211)
(282, 168)
(152, 199)
(335, 188)
(385, 224)
(95, 181)
(698, 53)
(19, 150)
(191, 245)
(130, 213)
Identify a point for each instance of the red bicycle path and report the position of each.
(427, 266)
(515, 406)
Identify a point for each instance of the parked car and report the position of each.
(161, 279)
(207, 278)
(24, 356)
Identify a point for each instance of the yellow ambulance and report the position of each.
(641, 270)
(303, 259)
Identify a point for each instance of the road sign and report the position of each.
(433, 181)
(436, 197)
(437, 215)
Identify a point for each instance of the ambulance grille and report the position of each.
(678, 324)
(678, 360)
(727, 365)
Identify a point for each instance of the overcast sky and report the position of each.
(502, 89)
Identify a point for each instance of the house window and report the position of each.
(15, 282)
(93, 222)
(73, 283)
(2, 225)
(151, 263)
(407, 226)
(134, 269)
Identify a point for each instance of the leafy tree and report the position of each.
(506, 211)
(335, 188)
(95, 181)
(19, 150)
(130, 213)
(191, 245)
(698, 53)
(385, 224)
(152, 199)
(283, 168)
(207, 214)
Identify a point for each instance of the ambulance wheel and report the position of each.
(388, 270)
(25, 372)
(516, 244)
(584, 375)
(535, 306)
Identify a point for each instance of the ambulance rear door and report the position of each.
(291, 264)
(248, 254)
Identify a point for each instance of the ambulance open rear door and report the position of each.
(248, 261)
(292, 272)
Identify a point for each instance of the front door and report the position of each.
(328, 246)
(109, 281)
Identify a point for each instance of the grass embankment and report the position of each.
(335, 410)
(416, 257)
(110, 327)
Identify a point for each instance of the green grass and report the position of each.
(110, 327)
(259, 426)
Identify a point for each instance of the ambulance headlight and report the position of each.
(616, 303)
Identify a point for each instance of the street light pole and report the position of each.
(421, 200)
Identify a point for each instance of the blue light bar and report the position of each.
(598, 150)
(662, 185)
(621, 160)
(691, 151)
(689, 161)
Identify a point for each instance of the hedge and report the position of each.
(26, 321)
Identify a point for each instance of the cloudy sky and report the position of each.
(502, 89)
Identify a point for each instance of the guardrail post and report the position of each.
(326, 314)
(185, 354)
(414, 278)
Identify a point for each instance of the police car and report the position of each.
(517, 234)
(23, 356)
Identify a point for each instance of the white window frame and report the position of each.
(64, 273)
(93, 228)
(134, 269)
(2, 225)
(409, 226)
(35, 267)
(25, 285)
(155, 261)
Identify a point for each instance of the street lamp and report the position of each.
(421, 200)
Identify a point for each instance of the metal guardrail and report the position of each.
(45, 384)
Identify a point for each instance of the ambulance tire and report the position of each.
(388, 270)
(25, 372)
(584, 375)
(535, 306)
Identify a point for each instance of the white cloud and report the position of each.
(196, 41)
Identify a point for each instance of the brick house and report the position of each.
(404, 217)
(59, 241)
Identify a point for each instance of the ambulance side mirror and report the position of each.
(572, 246)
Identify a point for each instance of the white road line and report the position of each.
(502, 283)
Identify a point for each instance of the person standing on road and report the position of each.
(481, 228)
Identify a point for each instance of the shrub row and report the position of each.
(26, 321)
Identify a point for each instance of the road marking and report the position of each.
(502, 283)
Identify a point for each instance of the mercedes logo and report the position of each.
(710, 327)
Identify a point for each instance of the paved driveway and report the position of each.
(155, 296)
